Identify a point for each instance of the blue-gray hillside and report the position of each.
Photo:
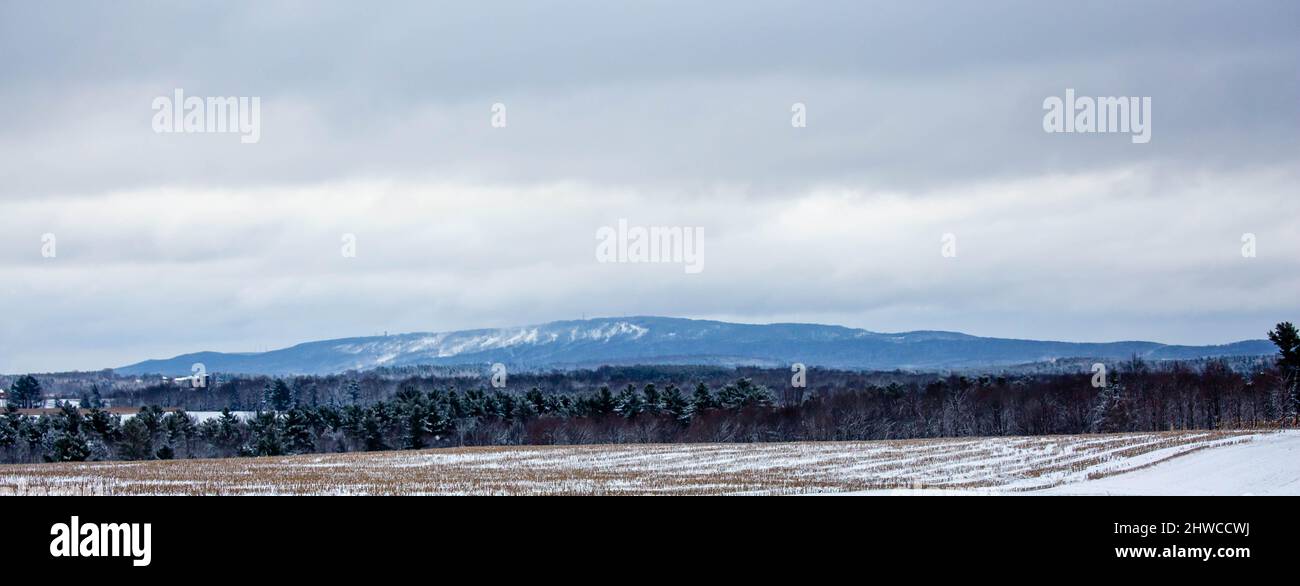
(662, 340)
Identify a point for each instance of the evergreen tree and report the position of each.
(281, 396)
(372, 430)
(179, 429)
(538, 401)
(675, 405)
(524, 410)
(69, 418)
(151, 416)
(266, 434)
(744, 393)
(9, 428)
(455, 406)
(652, 399)
(103, 424)
(26, 392)
(136, 442)
(1287, 340)
(298, 393)
(69, 447)
(415, 418)
(297, 431)
(229, 431)
(702, 400)
(603, 403)
(354, 393)
(629, 403)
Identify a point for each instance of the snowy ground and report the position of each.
(1268, 465)
(1142, 463)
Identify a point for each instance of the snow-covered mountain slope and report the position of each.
(661, 340)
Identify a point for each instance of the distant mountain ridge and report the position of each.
(665, 340)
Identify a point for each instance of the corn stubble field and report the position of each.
(1009, 464)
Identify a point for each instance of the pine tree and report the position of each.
(372, 430)
(69, 447)
(415, 418)
(151, 416)
(702, 400)
(180, 429)
(297, 432)
(1287, 340)
(103, 424)
(653, 400)
(26, 392)
(744, 393)
(538, 400)
(629, 403)
(96, 400)
(9, 428)
(455, 406)
(136, 442)
(69, 418)
(229, 431)
(603, 403)
(266, 436)
(675, 405)
(298, 392)
(281, 396)
(354, 393)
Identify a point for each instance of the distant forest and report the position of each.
(421, 408)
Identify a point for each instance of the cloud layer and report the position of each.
(923, 119)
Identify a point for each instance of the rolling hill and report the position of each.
(663, 340)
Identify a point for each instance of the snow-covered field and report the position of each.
(1267, 465)
(1144, 463)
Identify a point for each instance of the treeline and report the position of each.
(1137, 399)
(308, 414)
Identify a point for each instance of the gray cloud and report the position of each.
(923, 118)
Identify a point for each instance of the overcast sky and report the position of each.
(923, 119)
